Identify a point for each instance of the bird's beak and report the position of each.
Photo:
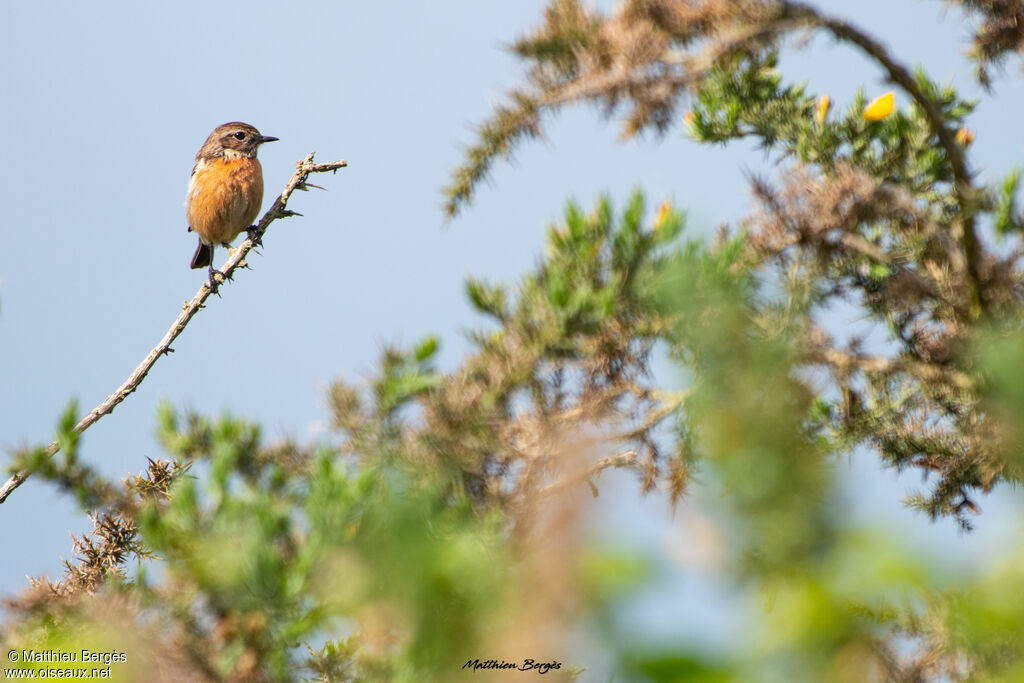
(267, 138)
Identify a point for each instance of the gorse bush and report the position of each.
(441, 523)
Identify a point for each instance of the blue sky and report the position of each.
(106, 105)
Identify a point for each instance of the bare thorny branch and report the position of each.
(277, 210)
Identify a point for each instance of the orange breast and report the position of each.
(224, 197)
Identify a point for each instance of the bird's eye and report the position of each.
(240, 135)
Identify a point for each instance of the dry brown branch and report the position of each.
(303, 169)
(845, 361)
(694, 68)
(629, 458)
(806, 211)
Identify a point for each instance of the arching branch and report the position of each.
(277, 210)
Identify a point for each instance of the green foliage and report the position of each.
(402, 547)
(880, 214)
(670, 666)
(748, 411)
(405, 376)
(1008, 218)
(746, 98)
(596, 268)
(440, 521)
(280, 569)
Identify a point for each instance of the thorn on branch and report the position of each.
(255, 235)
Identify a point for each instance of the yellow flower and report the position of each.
(664, 211)
(880, 107)
(965, 136)
(821, 110)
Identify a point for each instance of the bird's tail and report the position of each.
(203, 256)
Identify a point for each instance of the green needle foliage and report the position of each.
(436, 526)
(438, 532)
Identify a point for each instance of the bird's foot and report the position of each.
(213, 284)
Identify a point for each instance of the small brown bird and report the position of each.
(226, 189)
